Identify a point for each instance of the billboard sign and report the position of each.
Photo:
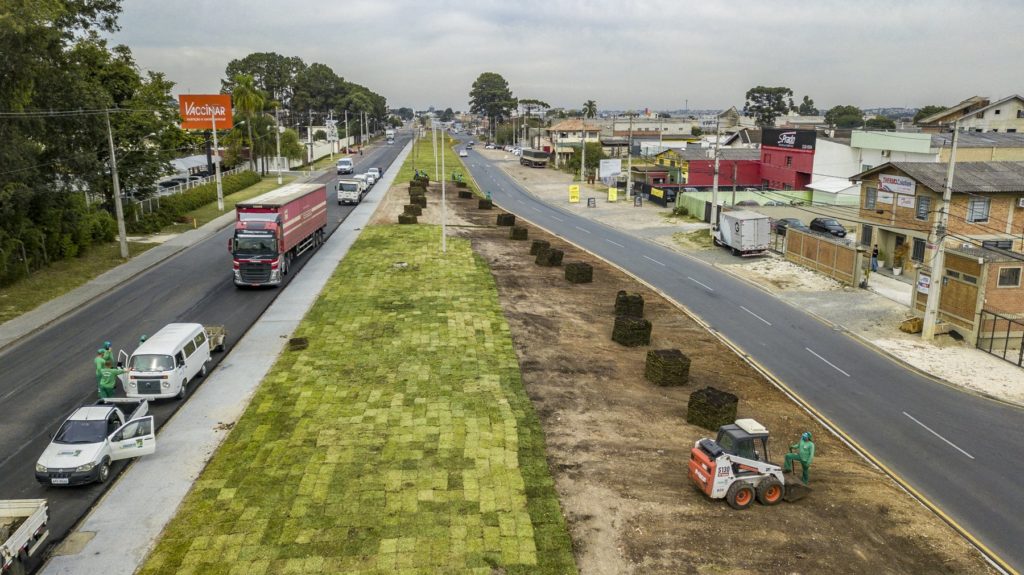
(609, 168)
(198, 110)
(790, 139)
(896, 184)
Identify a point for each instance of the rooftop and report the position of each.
(969, 177)
(729, 154)
(979, 140)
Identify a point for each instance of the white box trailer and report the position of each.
(745, 233)
(22, 532)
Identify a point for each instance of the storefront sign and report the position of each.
(884, 197)
(791, 139)
(904, 201)
(574, 194)
(896, 184)
(609, 168)
(198, 110)
(613, 194)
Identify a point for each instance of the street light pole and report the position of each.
(937, 243)
(277, 131)
(583, 153)
(118, 210)
(629, 159)
(714, 182)
(444, 208)
(216, 165)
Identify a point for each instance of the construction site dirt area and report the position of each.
(618, 446)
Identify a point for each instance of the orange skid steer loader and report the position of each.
(735, 466)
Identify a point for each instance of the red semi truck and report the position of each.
(275, 228)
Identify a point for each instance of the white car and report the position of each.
(371, 179)
(463, 153)
(93, 437)
(376, 173)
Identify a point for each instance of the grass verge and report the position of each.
(61, 277)
(209, 212)
(699, 239)
(422, 156)
(401, 440)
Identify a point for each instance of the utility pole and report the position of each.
(583, 153)
(348, 138)
(118, 210)
(309, 136)
(433, 139)
(629, 159)
(937, 243)
(277, 133)
(444, 207)
(734, 182)
(714, 182)
(216, 165)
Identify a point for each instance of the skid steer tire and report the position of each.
(770, 492)
(740, 495)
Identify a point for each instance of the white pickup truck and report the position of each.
(22, 532)
(93, 437)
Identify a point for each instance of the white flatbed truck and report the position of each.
(22, 533)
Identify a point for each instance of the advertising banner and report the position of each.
(896, 184)
(923, 283)
(198, 109)
(574, 194)
(613, 194)
(884, 197)
(609, 168)
(904, 201)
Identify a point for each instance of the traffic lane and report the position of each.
(208, 294)
(864, 408)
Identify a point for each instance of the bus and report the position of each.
(534, 158)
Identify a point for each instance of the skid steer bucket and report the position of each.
(795, 492)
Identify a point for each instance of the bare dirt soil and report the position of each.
(618, 446)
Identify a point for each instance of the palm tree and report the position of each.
(590, 109)
(248, 101)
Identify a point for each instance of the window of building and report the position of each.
(996, 111)
(865, 167)
(1011, 130)
(1020, 113)
(870, 197)
(917, 253)
(998, 244)
(924, 205)
(787, 187)
(977, 210)
(1009, 277)
(953, 274)
(789, 160)
(969, 278)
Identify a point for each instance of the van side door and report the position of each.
(133, 439)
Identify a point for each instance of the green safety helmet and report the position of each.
(100, 350)
(806, 436)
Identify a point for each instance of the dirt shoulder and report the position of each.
(618, 446)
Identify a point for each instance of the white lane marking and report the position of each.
(654, 260)
(616, 243)
(520, 201)
(706, 286)
(582, 229)
(536, 209)
(827, 361)
(558, 218)
(755, 315)
(953, 445)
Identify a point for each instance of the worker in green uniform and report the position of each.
(108, 379)
(108, 355)
(804, 454)
(100, 363)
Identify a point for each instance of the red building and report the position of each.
(737, 167)
(787, 157)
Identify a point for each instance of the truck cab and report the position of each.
(350, 191)
(93, 437)
(346, 166)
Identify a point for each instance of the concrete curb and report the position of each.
(114, 546)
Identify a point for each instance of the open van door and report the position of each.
(122, 360)
(133, 439)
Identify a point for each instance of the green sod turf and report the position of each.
(400, 441)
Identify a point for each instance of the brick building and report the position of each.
(787, 158)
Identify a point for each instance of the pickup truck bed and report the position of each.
(131, 408)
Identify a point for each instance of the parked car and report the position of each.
(489, 147)
(748, 203)
(775, 203)
(782, 224)
(371, 179)
(828, 226)
(376, 173)
(463, 153)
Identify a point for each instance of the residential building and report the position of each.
(801, 122)
(737, 167)
(837, 159)
(644, 128)
(1006, 115)
(566, 135)
(787, 158)
(943, 121)
(981, 146)
(900, 201)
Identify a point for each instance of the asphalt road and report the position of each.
(51, 373)
(961, 451)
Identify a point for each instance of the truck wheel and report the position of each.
(183, 391)
(339, 202)
(715, 241)
(202, 372)
(104, 472)
(740, 495)
(769, 492)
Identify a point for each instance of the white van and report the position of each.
(345, 166)
(164, 364)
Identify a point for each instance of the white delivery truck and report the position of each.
(93, 437)
(350, 191)
(22, 532)
(390, 135)
(346, 166)
(745, 233)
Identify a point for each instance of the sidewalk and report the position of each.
(105, 543)
(871, 315)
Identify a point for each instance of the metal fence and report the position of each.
(1002, 336)
(140, 207)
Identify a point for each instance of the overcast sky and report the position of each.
(625, 55)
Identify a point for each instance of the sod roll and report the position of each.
(506, 219)
(406, 219)
(538, 245)
(485, 204)
(518, 233)
(465, 194)
(579, 273)
(631, 331)
(711, 408)
(413, 210)
(550, 257)
(668, 367)
(631, 304)
(420, 201)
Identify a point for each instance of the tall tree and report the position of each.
(589, 109)
(845, 117)
(318, 89)
(765, 104)
(806, 107)
(927, 111)
(880, 123)
(447, 115)
(490, 96)
(248, 101)
(271, 72)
